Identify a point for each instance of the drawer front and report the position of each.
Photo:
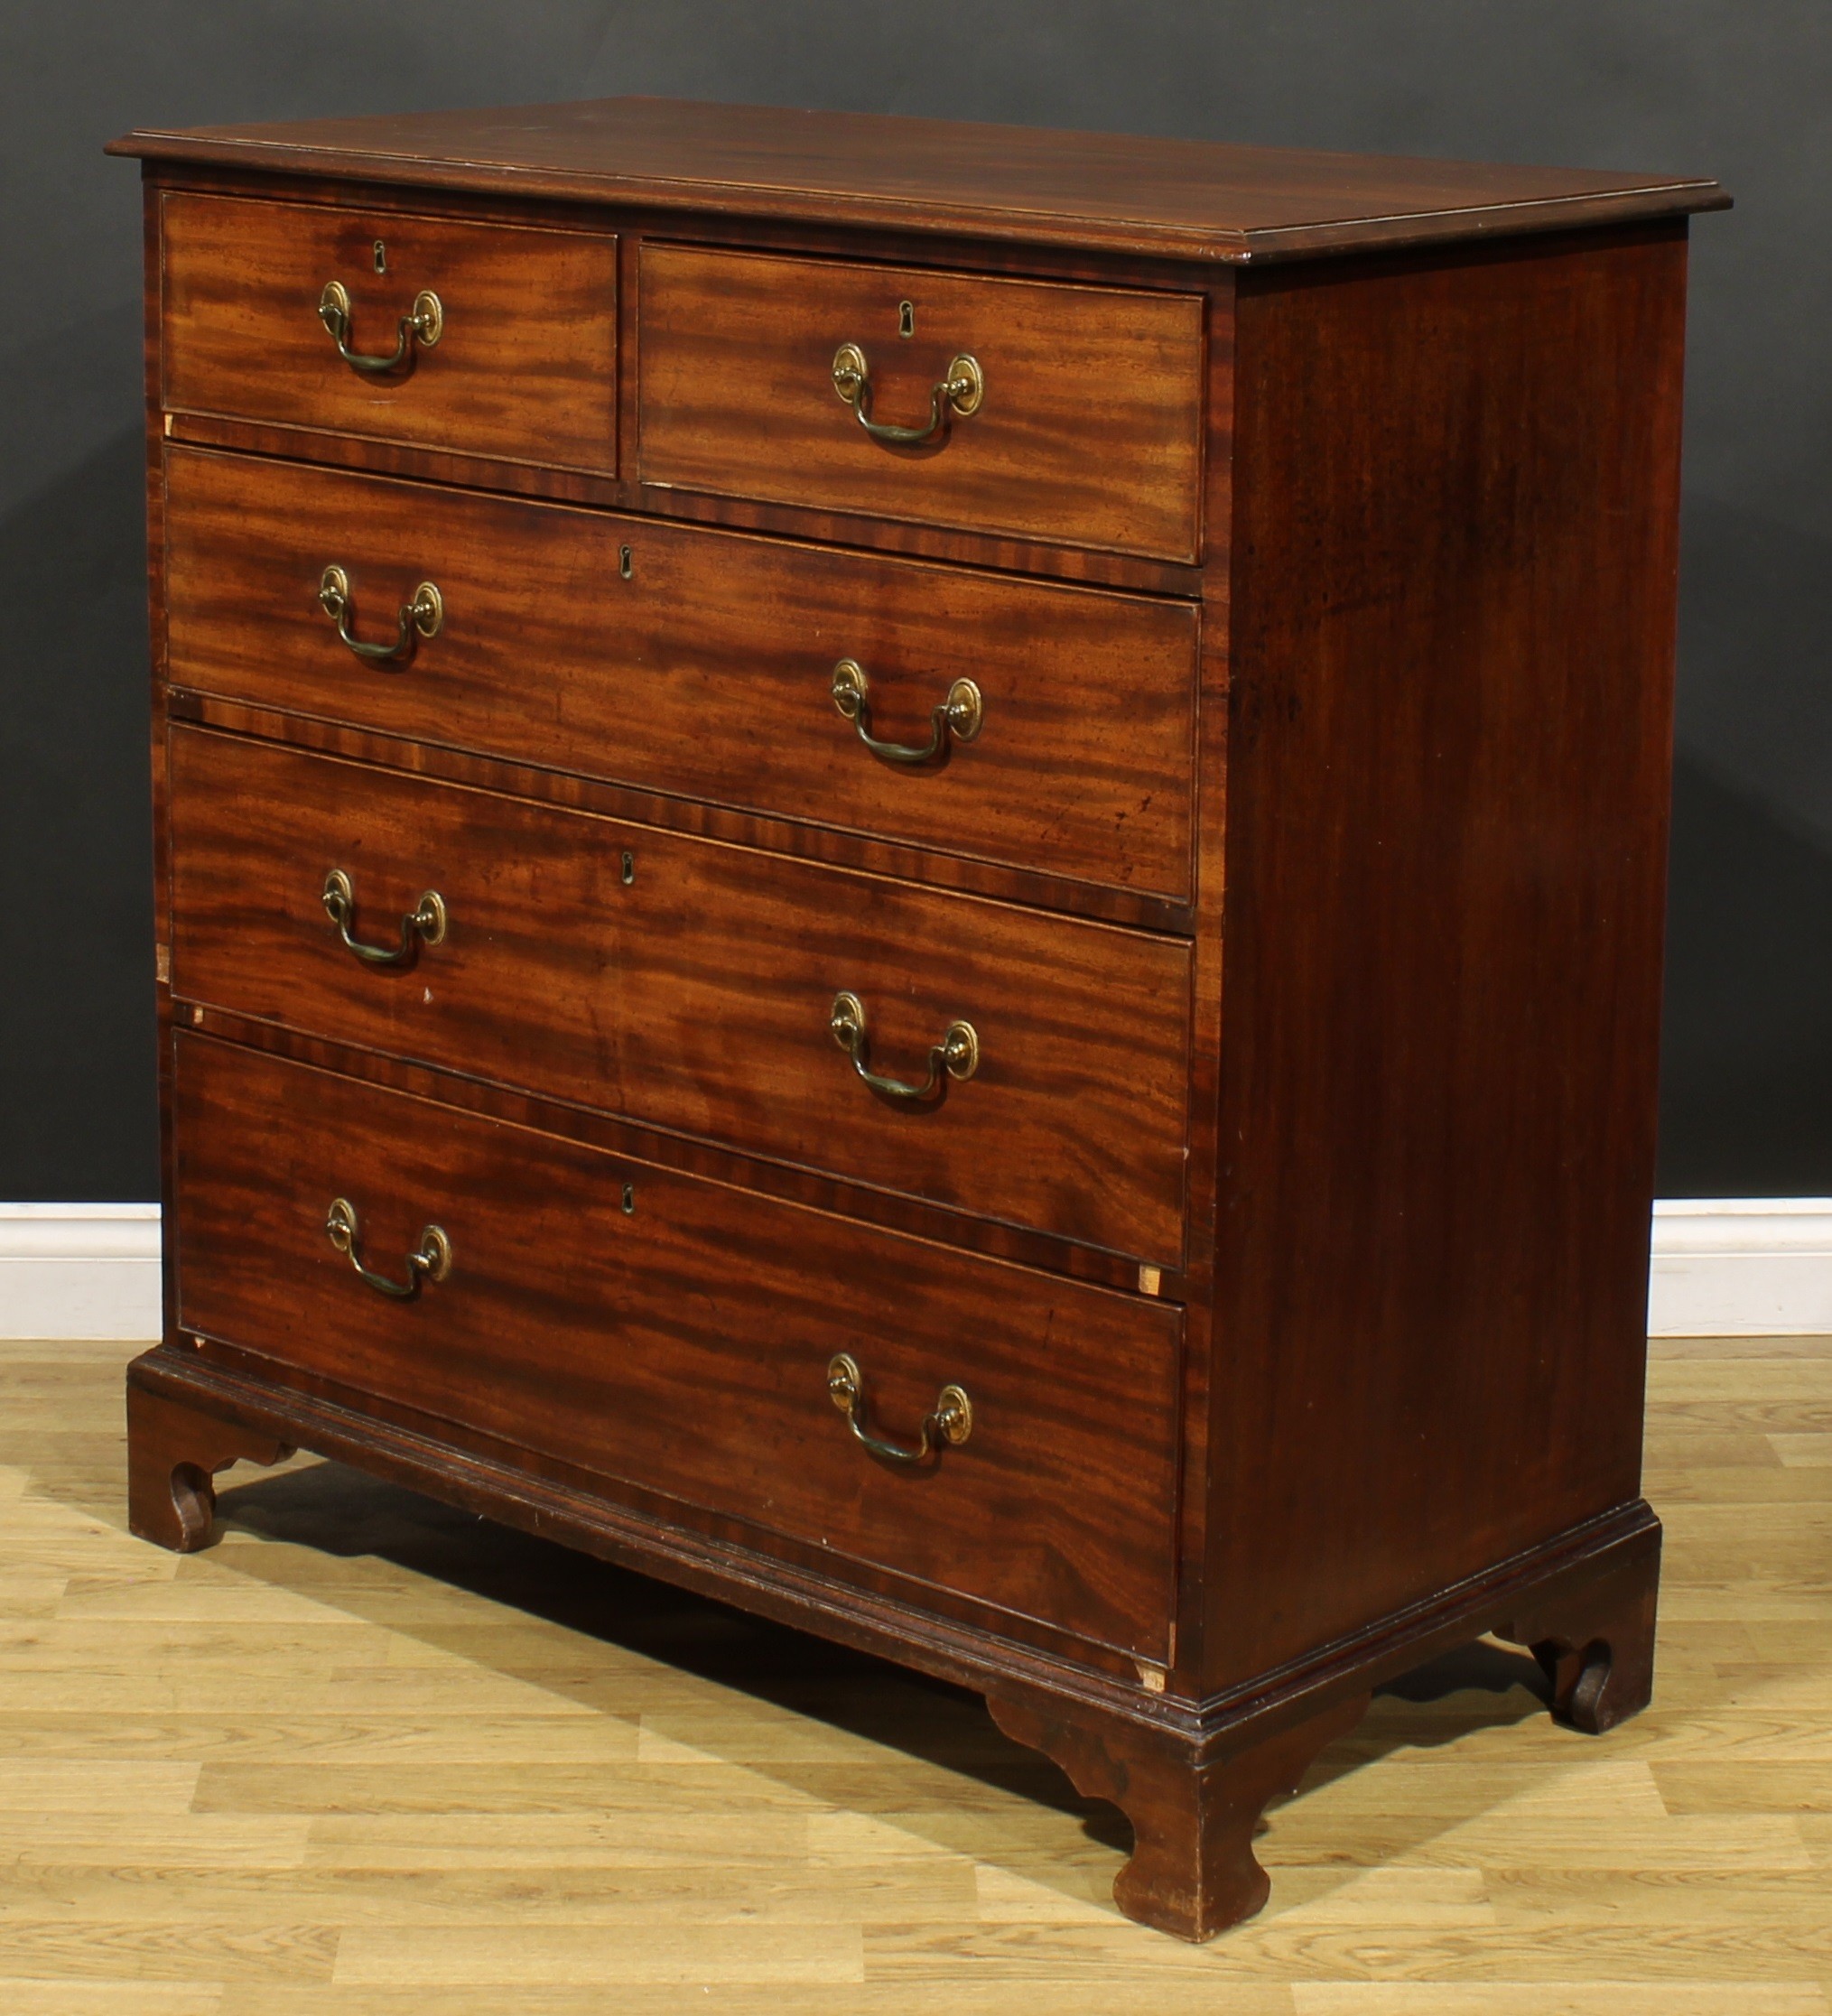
(707, 670)
(524, 366)
(698, 994)
(682, 1344)
(1089, 430)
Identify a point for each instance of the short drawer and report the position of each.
(524, 366)
(676, 1335)
(693, 986)
(1085, 426)
(701, 662)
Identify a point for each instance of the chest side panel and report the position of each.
(1456, 504)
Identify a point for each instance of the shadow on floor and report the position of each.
(337, 1512)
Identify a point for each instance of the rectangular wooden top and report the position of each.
(1177, 199)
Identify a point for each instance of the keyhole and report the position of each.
(630, 869)
(381, 256)
(626, 563)
(906, 318)
(629, 1200)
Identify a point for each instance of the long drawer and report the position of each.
(700, 662)
(1077, 415)
(519, 362)
(695, 986)
(677, 1335)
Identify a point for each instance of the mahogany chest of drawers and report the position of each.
(915, 872)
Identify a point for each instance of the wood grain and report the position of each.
(1447, 789)
(893, 1209)
(1370, 1090)
(372, 1716)
(676, 1335)
(173, 1459)
(1118, 192)
(832, 844)
(1089, 433)
(526, 366)
(697, 997)
(706, 670)
(1189, 1777)
(1193, 1871)
(849, 528)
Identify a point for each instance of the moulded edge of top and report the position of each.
(427, 151)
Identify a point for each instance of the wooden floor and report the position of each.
(369, 1755)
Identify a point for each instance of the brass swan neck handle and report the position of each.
(956, 1055)
(424, 924)
(959, 717)
(431, 1260)
(961, 392)
(423, 323)
(423, 617)
(949, 1421)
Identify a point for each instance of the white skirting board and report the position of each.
(1723, 1267)
(1741, 1267)
(79, 1270)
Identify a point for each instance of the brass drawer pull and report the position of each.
(957, 1054)
(423, 322)
(960, 715)
(424, 926)
(430, 1261)
(420, 618)
(961, 392)
(952, 1421)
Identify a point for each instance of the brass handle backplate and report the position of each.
(424, 323)
(431, 1260)
(422, 925)
(961, 392)
(423, 617)
(957, 1055)
(960, 716)
(952, 1420)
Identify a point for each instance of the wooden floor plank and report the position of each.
(1664, 1998)
(371, 1756)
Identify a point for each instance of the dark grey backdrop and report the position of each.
(1738, 88)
